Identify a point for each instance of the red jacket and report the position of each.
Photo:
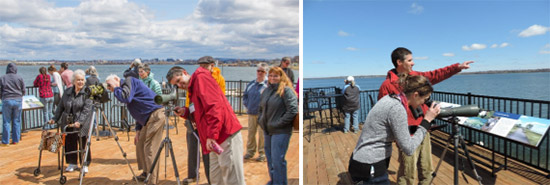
(213, 114)
(391, 86)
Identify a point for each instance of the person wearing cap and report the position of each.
(403, 62)
(285, 62)
(216, 123)
(251, 98)
(351, 104)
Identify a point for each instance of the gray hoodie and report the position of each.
(12, 86)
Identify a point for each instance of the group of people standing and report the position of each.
(400, 115)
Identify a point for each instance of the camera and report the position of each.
(98, 93)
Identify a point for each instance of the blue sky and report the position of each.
(127, 29)
(357, 37)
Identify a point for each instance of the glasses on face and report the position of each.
(109, 86)
(260, 71)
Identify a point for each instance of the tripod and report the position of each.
(98, 111)
(457, 139)
(165, 143)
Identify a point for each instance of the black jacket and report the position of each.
(351, 98)
(277, 113)
(80, 106)
(92, 80)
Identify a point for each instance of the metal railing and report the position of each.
(116, 111)
(527, 154)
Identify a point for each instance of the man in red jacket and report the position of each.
(403, 61)
(216, 123)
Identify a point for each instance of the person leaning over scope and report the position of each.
(402, 60)
(387, 122)
(216, 123)
(75, 110)
(149, 119)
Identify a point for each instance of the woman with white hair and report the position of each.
(75, 110)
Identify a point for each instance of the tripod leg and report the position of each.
(441, 158)
(96, 117)
(155, 160)
(198, 156)
(174, 162)
(478, 178)
(86, 150)
(119, 147)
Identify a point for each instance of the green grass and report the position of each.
(513, 130)
(533, 137)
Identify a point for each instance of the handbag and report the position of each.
(50, 141)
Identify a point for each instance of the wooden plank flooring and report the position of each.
(326, 160)
(17, 162)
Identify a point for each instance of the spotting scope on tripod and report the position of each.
(169, 101)
(450, 115)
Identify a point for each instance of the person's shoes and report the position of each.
(71, 168)
(4, 145)
(261, 158)
(142, 177)
(345, 131)
(189, 180)
(356, 131)
(85, 169)
(248, 156)
(13, 143)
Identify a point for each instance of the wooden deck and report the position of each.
(326, 159)
(17, 162)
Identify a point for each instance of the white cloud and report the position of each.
(502, 45)
(343, 33)
(421, 58)
(474, 46)
(534, 30)
(416, 9)
(351, 49)
(449, 54)
(123, 29)
(545, 49)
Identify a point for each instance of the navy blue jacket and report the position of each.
(139, 98)
(252, 96)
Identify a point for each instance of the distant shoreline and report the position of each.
(462, 73)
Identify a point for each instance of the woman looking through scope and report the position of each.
(387, 122)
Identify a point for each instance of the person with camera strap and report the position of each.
(387, 122)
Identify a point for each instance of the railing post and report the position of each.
(240, 97)
(469, 98)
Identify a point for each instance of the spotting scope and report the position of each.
(165, 98)
(464, 111)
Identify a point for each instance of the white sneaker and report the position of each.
(71, 167)
(85, 169)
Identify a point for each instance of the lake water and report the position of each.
(514, 85)
(29, 73)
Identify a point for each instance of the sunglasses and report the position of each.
(260, 71)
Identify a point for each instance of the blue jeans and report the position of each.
(355, 121)
(48, 106)
(276, 147)
(11, 112)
